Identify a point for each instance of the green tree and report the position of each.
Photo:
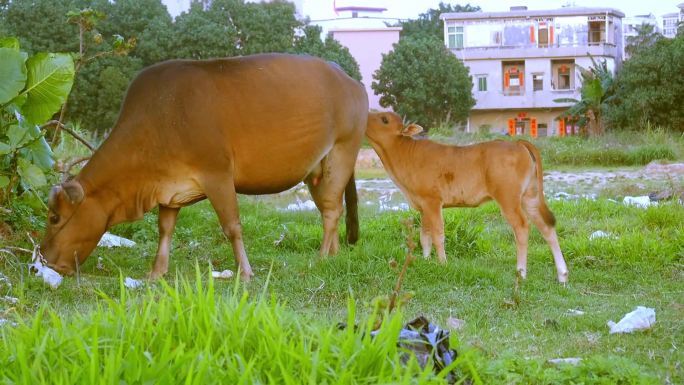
(596, 94)
(650, 88)
(265, 27)
(646, 37)
(199, 34)
(146, 21)
(41, 25)
(423, 81)
(310, 43)
(429, 22)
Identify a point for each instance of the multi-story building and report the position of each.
(522, 60)
(631, 26)
(671, 21)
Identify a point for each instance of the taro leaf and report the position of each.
(31, 174)
(38, 151)
(4, 181)
(10, 42)
(4, 148)
(18, 135)
(12, 74)
(50, 77)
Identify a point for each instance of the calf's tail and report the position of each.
(352, 208)
(544, 210)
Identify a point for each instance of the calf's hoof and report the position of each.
(155, 275)
(563, 277)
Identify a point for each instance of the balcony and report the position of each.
(535, 51)
(523, 99)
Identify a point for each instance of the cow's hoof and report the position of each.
(563, 277)
(246, 276)
(155, 275)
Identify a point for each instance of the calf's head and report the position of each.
(75, 225)
(385, 127)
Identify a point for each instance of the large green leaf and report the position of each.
(18, 135)
(50, 77)
(31, 174)
(10, 42)
(4, 181)
(39, 151)
(5, 148)
(12, 74)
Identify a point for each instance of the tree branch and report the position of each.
(59, 125)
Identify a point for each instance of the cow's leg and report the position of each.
(221, 193)
(167, 222)
(512, 211)
(338, 167)
(425, 238)
(548, 231)
(432, 218)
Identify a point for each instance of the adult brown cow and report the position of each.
(432, 175)
(190, 130)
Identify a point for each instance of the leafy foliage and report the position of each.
(646, 37)
(47, 81)
(650, 88)
(423, 81)
(428, 23)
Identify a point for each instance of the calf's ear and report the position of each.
(412, 129)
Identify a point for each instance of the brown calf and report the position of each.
(433, 175)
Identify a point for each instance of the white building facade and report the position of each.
(522, 60)
(671, 21)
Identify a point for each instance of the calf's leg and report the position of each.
(167, 222)
(513, 213)
(431, 217)
(220, 190)
(548, 231)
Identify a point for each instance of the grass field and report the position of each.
(297, 294)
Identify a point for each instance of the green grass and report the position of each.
(207, 331)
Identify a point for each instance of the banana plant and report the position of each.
(32, 90)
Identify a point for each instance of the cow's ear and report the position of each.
(53, 198)
(412, 129)
(73, 191)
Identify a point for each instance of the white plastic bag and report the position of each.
(641, 318)
(111, 240)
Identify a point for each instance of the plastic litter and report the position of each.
(132, 283)
(600, 234)
(4, 322)
(306, 205)
(51, 277)
(10, 300)
(641, 318)
(574, 312)
(569, 360)
(429, 344)
(111, 240)
(225, 274)
(640, 201)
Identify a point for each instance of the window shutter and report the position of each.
(532, 34)
(507, 79)
(511, 127)
(521, 78)
(550, 35)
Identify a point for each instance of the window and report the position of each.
(563, 74)
(597, 32)
(481, 83)
(455, 37)
(543, 37)
(513, 78)
(537, 82)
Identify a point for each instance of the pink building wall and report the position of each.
(367, 46)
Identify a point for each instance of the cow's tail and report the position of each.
(544, 210)
(352, 218)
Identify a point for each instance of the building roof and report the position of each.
(673, 14)
(360, 9)
(569, 11)
(369, 29)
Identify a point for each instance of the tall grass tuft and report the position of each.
(192, 333)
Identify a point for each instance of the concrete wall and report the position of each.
(367, 47)
(497, 121)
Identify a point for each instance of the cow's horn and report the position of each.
(74, 191)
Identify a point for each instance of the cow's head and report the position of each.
(384, 126)
(75, 225)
